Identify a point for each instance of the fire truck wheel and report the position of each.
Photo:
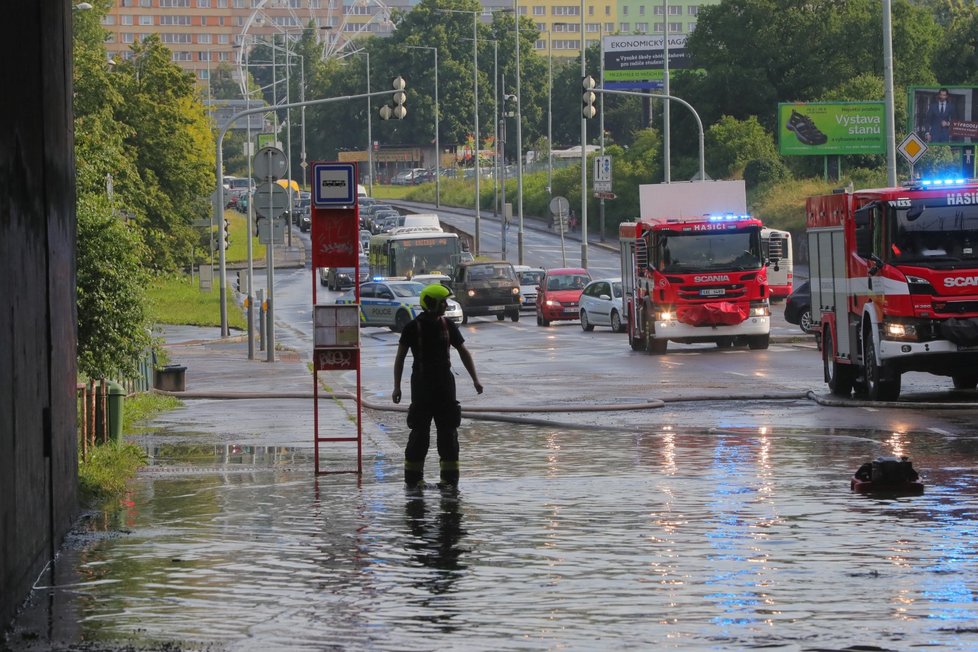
(878, 387)
(759, 342)
(965, 380)
(839, 376)
(585, 324)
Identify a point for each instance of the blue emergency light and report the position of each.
(728, 217)
(942, 182)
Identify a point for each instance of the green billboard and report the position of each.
(831, 128)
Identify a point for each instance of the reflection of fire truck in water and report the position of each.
(894, 278)
(695, 280)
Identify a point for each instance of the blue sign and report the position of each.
(334, 184)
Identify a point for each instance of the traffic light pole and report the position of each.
(398, 112)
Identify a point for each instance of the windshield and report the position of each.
(713, 251)
(491, 272)
(406, 289)
(531, 278)
(616, 289)
(567, 282)
(928, 232)
(423, 256)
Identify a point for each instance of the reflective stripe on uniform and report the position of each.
(411, 465)
(448, 465)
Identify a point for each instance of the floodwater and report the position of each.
(732, 538)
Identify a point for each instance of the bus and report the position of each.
(406, 251)
(776, 248)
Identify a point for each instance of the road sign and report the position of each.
(271, 199)
(605, 195)
(912, 148)
(270, 164)
(602, 174)
(559, 205)
(334, 184)
(270, 231)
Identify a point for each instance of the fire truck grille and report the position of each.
(722, 292)
(955, 307)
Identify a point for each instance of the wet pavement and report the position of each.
(675, 535)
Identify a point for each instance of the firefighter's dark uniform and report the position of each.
(430, 339)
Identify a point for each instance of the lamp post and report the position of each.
(519, 133)
(550, 93)
(583, 150)
(475, 90)
(437, 141)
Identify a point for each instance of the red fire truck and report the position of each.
(894, 278)
(695, 280)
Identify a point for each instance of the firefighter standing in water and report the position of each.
(430, 337)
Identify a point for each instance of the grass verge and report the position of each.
(104, 474)
(178, 300)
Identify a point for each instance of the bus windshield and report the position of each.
(930, 233)
(423, 255)
(710, 251)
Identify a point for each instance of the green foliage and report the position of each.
(104, 474)
(112, 325)
(144, 406)
(731, 143)
(765, 170)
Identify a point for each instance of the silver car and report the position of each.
(530, 278)
(601, 305)
(393, 304)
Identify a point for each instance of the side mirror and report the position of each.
(877, 265)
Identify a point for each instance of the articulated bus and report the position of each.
(776, 248)
(407, 251)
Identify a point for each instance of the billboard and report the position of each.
(831, 128)
(635, 62)
(944, 115)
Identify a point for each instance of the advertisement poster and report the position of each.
(831, 128)
(944, 115)
(635, 62)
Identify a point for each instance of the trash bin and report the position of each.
(171, 378)
(114, 396)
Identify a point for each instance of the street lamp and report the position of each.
(437, 141)
(519, 132)
(550, 93)
(475, 90)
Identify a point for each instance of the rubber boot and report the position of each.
(449, 472)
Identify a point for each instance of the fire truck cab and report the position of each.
(695, 280)
(894, 278)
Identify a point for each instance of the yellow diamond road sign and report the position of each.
(912, 148)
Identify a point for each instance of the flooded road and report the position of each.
(732, 538)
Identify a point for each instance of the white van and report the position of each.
(427, 220)
(361, 190)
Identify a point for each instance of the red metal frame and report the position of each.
(335, 237)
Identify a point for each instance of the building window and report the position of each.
(204, 74)
(169, 37)
(675, 28)
(657, 10)
(641, 10)
(624, 10)
(675, 10)
(567, 11)
(691, 27)
(222, 39)
(182, 56)
(204, 56)
(693, 10)
(625, 27)
(590, 10)
(593, 27)
(127, 3)
(658, 27)
(539, 11)
(128, 37)
(125, 20)
(540, 45)
(168, 20)
(609, 28)
(642, 28)
(204, 38)
(108, 20)
(222, 4)
(146, 21)
(145, 4)
(203, 4)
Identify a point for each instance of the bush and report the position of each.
(761, 171)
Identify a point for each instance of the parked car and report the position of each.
(393, 304)
(798, 308)
(600, 305)
(530, 278)
(487, 288)
(559, 294)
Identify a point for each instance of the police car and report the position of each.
(393, 303)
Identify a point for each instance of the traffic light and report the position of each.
(226, 235)
(588, 109)
(396, 108)
(509, 105)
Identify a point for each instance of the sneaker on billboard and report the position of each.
(805, 130)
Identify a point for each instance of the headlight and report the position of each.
(760, 310)
(551, 303)
(898, 331)
(516, 290)
(665, 315)
(471, 293)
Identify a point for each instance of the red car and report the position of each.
(559, 294)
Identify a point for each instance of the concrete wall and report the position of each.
(38, 458)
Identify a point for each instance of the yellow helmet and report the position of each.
(433, 295)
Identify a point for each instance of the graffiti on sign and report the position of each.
(335, 359)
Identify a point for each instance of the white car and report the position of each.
(601, 305)
(530, 278)
(393, 304)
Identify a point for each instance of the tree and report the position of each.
(732, 143)
(112, 324)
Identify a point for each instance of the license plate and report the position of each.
(712, 292)
(497, 308)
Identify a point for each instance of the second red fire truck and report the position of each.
(894, 278)
(695, 280)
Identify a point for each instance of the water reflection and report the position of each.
(669, 539)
